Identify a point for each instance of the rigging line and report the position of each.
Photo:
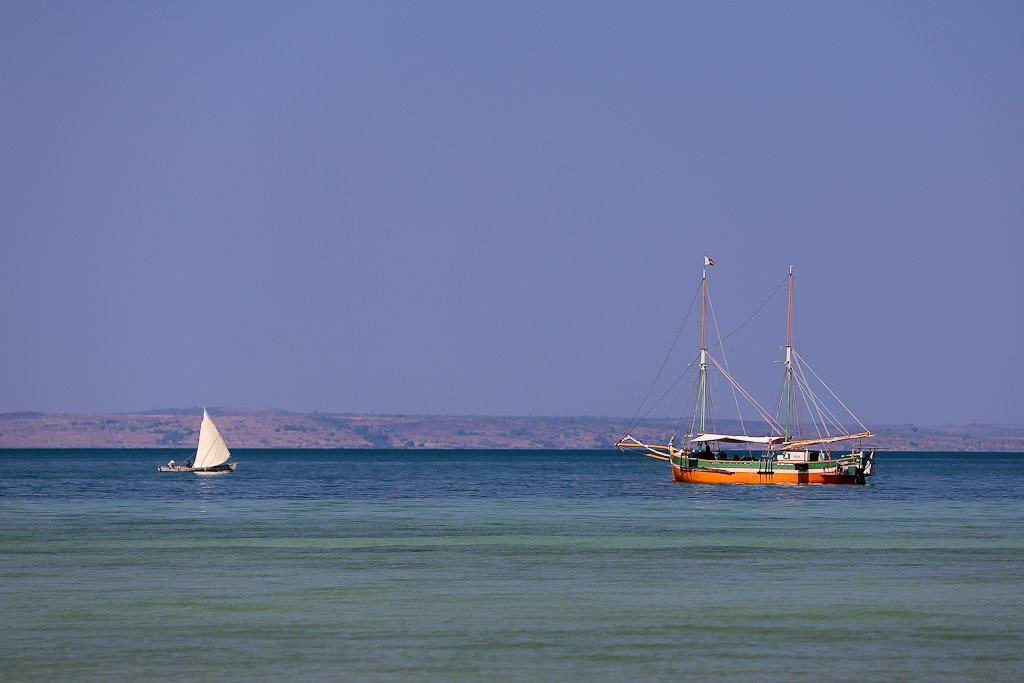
(664, 362)
(840, 427)
(811, 400)
(832, 420)
(670, 388)
(802, 361)
(778, 406)
(828, 411)
(774, 425)
(803, 392)
(714, 408)
(647, 463)
(752, 315)
(691, 399)
(711, 417)
(725, 359)
(771, 423)
(693, 395)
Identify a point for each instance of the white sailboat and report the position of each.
(212, 453)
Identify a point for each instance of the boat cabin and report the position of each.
(802, 456)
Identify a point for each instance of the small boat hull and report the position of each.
(226, 467)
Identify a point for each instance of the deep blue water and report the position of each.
(513, 564)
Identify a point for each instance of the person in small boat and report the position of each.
(188, 464)
(170, 463)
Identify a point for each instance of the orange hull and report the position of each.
(706, 477)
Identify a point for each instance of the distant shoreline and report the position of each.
(272, 429)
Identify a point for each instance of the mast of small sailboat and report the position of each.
(703, 388)
(789, 388)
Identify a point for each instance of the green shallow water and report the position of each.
(469, 565)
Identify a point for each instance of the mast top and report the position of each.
(703, 308)
(789, 308)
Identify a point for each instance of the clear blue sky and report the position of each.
(503, 208)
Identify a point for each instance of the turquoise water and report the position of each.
(487, 564)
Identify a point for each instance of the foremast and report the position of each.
(704, 400)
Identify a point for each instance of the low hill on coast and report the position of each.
(178, 428)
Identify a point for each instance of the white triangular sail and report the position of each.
(212, 450)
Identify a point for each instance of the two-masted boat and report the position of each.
(212, 453)
(783, 455)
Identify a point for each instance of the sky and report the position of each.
(503, 208)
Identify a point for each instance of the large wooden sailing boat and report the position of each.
(784, 455)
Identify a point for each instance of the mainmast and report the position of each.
(789, 388)
(703, 388)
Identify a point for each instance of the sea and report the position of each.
(512, 565)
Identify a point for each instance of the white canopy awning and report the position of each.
(805, 443)
(730, 438)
